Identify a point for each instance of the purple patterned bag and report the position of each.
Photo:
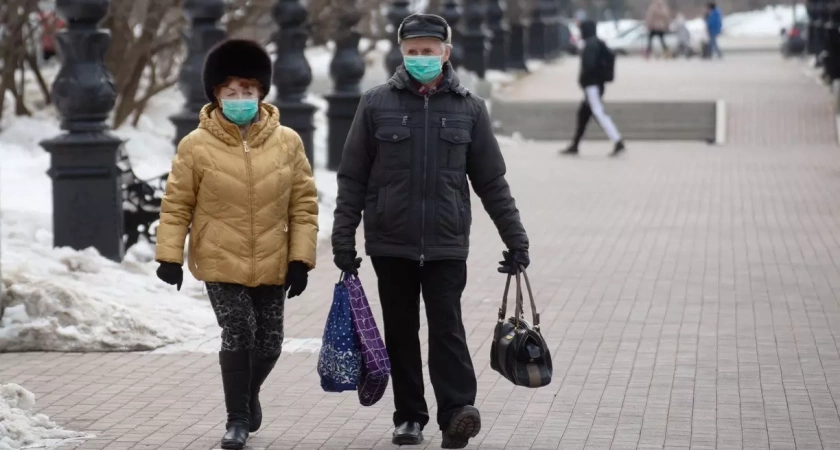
(376, 367)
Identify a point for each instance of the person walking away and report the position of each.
(242, 188)
(593, 76)
(714, 26)
(683, 37)
(412, 146)
(657, 21)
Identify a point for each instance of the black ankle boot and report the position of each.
(236, 436)
(260, 368)
(236, 380)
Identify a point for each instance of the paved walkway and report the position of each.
(689, 292)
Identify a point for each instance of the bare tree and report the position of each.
(18, 34)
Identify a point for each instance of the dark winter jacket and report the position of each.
(405, 165)
(590, 57)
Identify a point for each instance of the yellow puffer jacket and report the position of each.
(249, 203)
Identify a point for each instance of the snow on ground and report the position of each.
(20, 428)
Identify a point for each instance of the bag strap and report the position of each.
(503, 309)
(519, 308)
(534, 312)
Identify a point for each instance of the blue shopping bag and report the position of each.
(340, 360)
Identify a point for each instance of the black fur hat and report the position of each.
(239, 58)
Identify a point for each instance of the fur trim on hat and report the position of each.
(239, 58)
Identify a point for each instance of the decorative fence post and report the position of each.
(538, 32)
(552, 29)
(86, 182)
(518, 18)
(396, 14)
(203, 35)
(811, 7)
(475, 38)
(292, 74)
(347, 70)
(499, 43)
(832, 41)
(451, 12)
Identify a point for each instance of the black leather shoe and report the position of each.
(465, 424)
(236, 436)
(408, 433)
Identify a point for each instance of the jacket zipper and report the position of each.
(252, 275)
(423, 202)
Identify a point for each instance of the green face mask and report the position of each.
(240, 111)
(423, 68)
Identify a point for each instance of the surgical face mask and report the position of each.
(423, 68)
(240, 111)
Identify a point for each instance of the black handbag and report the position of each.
(519, 352)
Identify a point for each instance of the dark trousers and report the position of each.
(653, 34)
(450, 366)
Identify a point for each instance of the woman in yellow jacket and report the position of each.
(242, 188)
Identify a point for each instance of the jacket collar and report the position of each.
(212, 120)
(449, 81)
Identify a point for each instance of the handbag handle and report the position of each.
(519, 308)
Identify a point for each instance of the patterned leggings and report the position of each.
(251, 317)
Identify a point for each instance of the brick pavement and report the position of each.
(689, 292)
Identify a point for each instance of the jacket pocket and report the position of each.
(455, 145)
(394, 149)
(392, 209)
(201, 248)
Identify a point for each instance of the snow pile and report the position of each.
(767, 22)
(21, 428)
(65, 300)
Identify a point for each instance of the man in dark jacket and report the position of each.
(414, 142)
(592, 79)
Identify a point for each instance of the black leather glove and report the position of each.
(513, 260)
(171, 273)
(296, 278)
(346, 261)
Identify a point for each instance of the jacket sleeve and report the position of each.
(176, 209)
(303, 209)
(353, 174)
(486, 170)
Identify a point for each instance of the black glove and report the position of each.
(296, 278)
(513, 260)
(346, 261)
(171, 273)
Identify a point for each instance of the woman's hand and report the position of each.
(296, 278)
(171, 273)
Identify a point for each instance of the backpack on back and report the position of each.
(606, 61)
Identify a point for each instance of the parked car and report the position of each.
(795, 40)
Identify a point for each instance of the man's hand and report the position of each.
(514, 261)
(346, 261)
(171, 273)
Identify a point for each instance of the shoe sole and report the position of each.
(407, 440)
(465, 425)
(232, 446)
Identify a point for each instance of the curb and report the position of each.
(720, 122)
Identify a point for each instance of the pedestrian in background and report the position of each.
(657, 21)
(683, 37)
(595, 72)
(242, 187)
(413, 144)
(714, 27)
